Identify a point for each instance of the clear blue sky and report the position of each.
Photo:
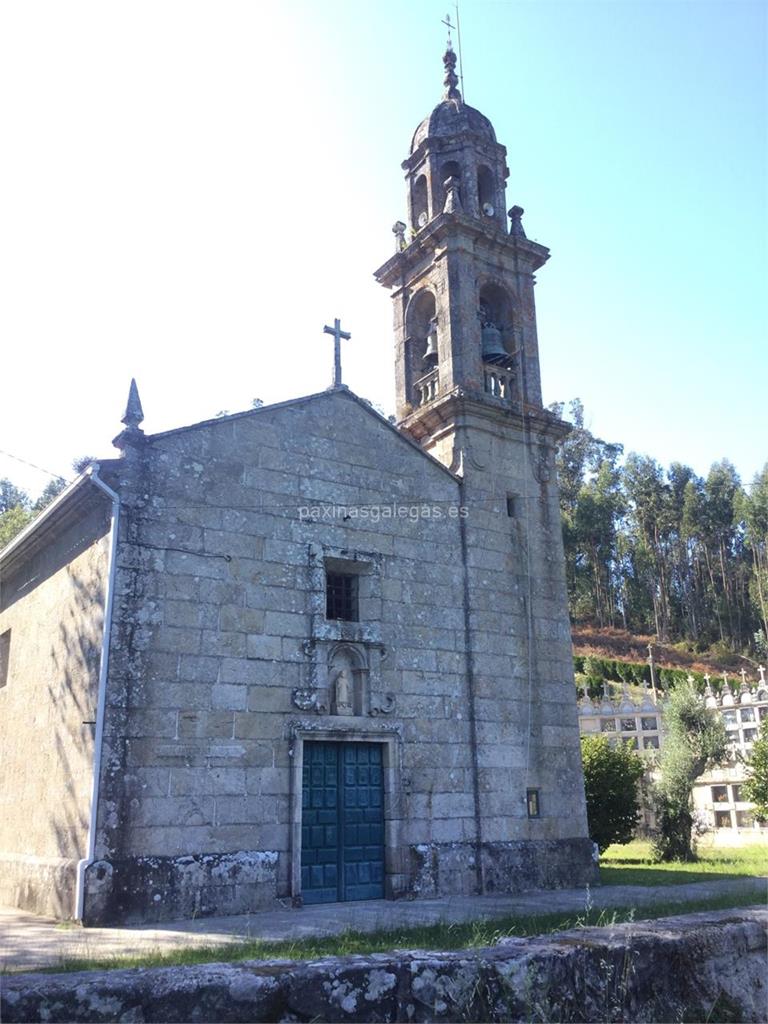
(191, 190)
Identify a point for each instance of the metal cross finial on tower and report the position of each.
(447, 21)
(338, 334)
(457, 27)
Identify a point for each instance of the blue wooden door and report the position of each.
(320, 876)
(342, 833)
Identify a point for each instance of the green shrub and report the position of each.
(756, 786)
(594, 687)
(592, 666)
(624, 670)
(634, 673)
(611, 776)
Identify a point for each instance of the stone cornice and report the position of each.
(458, 404)
(446, 228)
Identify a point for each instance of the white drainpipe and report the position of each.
(93, 473)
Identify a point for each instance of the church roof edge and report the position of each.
(341, 390)
(235, 415)
(66, 500)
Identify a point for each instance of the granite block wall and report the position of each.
(51, 607)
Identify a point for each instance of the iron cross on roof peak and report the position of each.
(447, 21)
(338, 334)
(449, 58)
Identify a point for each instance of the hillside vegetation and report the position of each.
(619, 644)
(664, 555)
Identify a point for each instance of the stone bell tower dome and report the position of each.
(455, 142)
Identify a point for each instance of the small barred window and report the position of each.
(341, 596)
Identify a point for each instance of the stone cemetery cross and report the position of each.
(338, 334)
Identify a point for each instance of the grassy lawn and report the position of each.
(631, 865)
(468, 935)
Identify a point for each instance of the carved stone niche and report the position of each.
(344, 679)
(347, 680)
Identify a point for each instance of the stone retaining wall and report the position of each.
(706, 966)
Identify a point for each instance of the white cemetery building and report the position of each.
(718, 799)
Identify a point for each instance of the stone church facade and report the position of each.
(300, 653)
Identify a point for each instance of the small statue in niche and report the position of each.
(343, 693)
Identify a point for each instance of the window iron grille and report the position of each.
(341, 597)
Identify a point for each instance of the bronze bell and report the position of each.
(430, 353)
(493, 347)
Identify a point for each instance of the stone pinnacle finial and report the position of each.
(452, 195)
(516, 219)
(134, 414)
(133, 435)
(451, 79)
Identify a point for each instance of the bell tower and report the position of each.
(462, 280)
(469, 392)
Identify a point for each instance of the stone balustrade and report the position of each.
(426, 387)
(499, 382)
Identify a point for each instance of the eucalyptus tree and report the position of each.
(754, 511)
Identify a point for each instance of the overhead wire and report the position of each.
(32, 465)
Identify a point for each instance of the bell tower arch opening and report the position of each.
(448, 169)
(497, 342)
(421, 347)
(496, 316)
(419, 203)
(486, 191)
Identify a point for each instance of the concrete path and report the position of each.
(28, 942)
